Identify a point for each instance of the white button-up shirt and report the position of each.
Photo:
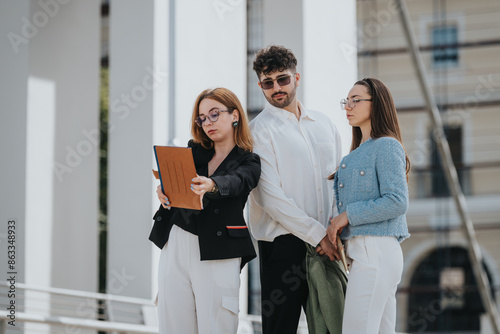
(293, 194)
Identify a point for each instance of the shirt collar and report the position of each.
(304, 113)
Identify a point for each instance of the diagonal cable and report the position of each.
(450, 172)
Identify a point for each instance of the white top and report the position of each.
(293, 194)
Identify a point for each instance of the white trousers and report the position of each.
(376, 268)
(196, 296)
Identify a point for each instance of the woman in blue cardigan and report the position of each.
(371, 193)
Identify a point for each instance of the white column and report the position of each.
(63, 142)
(138, 120)
(14, 67)
(49, 87)
(330, 59)
(50, 65)
(210, 51)
(207, 50)
(322, 35)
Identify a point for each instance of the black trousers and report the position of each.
(283, 283)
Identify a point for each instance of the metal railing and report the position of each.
(109, 313)
(77, 309)
(76, 323)
(102, 319)
(247, 325)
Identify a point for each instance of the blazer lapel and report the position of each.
(230, 162)
(202, 156)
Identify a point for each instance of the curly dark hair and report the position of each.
(274, 58)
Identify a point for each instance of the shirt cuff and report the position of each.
(318, 232)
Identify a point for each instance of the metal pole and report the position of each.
(450, 172)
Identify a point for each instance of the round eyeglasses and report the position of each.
(213, 116)
(351, 102)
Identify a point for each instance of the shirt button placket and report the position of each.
(317, 178)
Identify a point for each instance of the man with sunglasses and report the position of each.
(291, 206)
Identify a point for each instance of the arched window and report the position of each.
(443, 293)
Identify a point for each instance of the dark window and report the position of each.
(445, 46)
(439, 184)
(444, 296)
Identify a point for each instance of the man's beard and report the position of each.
(285, 102)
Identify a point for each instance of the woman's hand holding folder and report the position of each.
(163, 198)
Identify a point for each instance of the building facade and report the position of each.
(460, 45)
(161, 54)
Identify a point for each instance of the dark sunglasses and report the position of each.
(282, 81)
(213, 116)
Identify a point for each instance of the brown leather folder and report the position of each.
(176, 170)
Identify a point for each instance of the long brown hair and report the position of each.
(383, 116)
(242, 136)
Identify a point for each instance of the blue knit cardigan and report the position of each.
(370, 184)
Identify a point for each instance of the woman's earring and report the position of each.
(235, 123)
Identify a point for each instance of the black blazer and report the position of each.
(222, 232)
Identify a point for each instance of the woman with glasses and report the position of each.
(371, 194)
(198, 278)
